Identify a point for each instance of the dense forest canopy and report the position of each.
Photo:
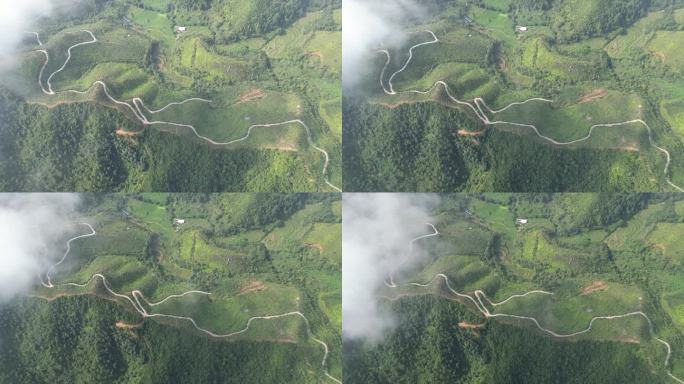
(594, 254)
(234, 66)
(421, 152)
(253, 255)
(75, 148)
(500, 355)
(523, 95)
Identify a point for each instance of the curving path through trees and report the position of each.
(136, 299)
(478, 104)
(480, 300)
(435, 232)
(137, 106)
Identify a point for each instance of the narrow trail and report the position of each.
(480, 300)
(138, 301)
(435, 232)
(66, 253)
(478, 106)
(136, 106)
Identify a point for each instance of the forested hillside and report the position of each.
(179, 288)
(422, 152)
(534, 288)
(76, 148)
(523, 95)
(174, 96)
(75, 341)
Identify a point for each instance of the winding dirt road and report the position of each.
(480, 300)
(478, 104)
(137, 106)
(435, 232)
(137, 298)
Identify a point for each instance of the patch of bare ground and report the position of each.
(315, 246)
(661, 247)
(252, 286)
(284, 147)
(466, 325)
(594, 286)
(628, 146)
(596, 94)
(318, 54)
(661, 56)
(124, 133)
(123, 325)
(251, 95)
(466, 133)
(630, 340)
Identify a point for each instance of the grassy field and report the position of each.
(249, 269)
(597, 78)
(665, 236)
(590, 269)
(570, 122)
(665, 46)
(251, 79)
(674, 305)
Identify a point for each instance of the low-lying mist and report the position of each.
(369, 25)
(33, 228)
(19, 18)
(377, 230)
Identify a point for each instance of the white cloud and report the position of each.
(17, 17)
(33, 228)
(368, 25)
(377, 229)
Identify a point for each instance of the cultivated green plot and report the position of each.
(225, 122)
(206, 74)
(665, 46)
(673, 111)
(180, 261)
(564, 268)
(667, 237)
(566, 123)
(561, 76)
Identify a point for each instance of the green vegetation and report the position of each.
(258, 62)
(496, 354)
(76, 148)
(599, 62)
(599, 254)
(224, 246)
(421, 151)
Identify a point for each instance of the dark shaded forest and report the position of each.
(75, 148)
(74, 340)
(427, 346)
(416, 148)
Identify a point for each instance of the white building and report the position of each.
(520, 29)
(178, 221)
(521, 221)
(178, 29)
